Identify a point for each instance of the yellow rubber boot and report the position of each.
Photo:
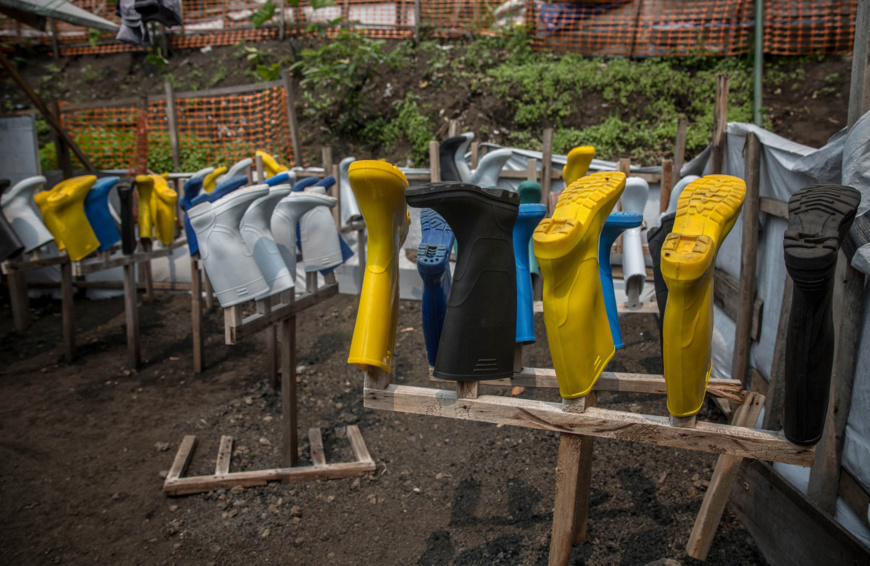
(566, 246)
(271, 166)
(379, 189)
(65, 211)
(706, 212)
(579, 160)
(145, 190)
(210, 181)
(41, 199)
(163, 210)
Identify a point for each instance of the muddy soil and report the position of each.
(84, 448)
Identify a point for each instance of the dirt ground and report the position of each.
(83, 448)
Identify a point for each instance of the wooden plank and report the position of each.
(225, 455)
(854, 496)
(224, 91)
(173, 125)
(748, 256)
(680, 149)
(719, 490)
(67, 312)
(434, 162)
(547, 167)
(667, 184)
(650, 307)
(114, 103)
(238, 329)
(788, 528)
(567, 474)
(200, 484)
(196, 316)
(757, 382)
(358, 445)
(726, 296)
(289, 403)
(776, 385)
(604, 423)
(584, 480)
(232, 320)
(720, 124)
(610, 381)
(182, 458)
(14, 266)
(287, 81)
(315, 440)
(859, 89)
(94, 265)
(774, 207)
(131, 316)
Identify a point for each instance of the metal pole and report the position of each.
(759, 62)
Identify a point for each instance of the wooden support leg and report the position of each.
(196, 316)
(290, 440)
(68, 314)
(209, 291)
(131, 314)
(720, 485)
(584, 480)
(19, 301)
(147, 246)
(270, 335)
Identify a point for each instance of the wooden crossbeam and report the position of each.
(238, 329)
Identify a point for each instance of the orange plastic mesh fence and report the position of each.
(592, 27)
(212, 131)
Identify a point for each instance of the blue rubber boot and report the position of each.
(282, 178)
(529, 217)
(304, 184)
(615, 225)
(433, 265)
(192, 189)
(98, 215)
(530, 193)
(226, 188)
(326, 182)
(186, 205)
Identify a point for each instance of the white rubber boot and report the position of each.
(321, 248)
(256, 230)
(489, 168)
(287, 213)
(237, 170)
(231, 268)
(21, 211)
(675, 193)
(633, 267)
(349, 208)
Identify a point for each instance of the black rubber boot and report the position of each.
(10, 244)
(818, 219)
(446, 153)
(126, 187)
(655, 239)
(478, 336)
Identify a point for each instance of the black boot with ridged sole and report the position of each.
(478, 336)
(819, 218)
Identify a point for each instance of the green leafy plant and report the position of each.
(263, 15)
(270, 73)
(157, 59)
(94, 37)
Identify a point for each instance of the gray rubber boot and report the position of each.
(240, 168)
(489, 168)
(349, 208)
(21, 211)
(459, 157)
(231, 268)
(256, 230)
(633, 266)
(285, 217)
(321, 248)
(675, 193)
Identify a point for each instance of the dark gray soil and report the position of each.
(81, 456)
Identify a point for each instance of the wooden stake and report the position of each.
(453, 128)
(61, 149)
(68, 312)
(532, 169)
(209, 291)
(776, 385)
(666, 185)
(336, 193)
(749, 252)
(298, 161)
(475, 154)
(18, 300)
(173, 125)
(196, 315)
(260, 168)
(719, 489)
(547, 167)
(290, 438)
(131, 316)
(326, 156)
(270, 335)
(467, 389)
(147, 246)
(434, 162)
(680, 149)
(720, 124)
(584, 480)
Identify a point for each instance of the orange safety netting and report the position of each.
(592, 27)
(212, 131)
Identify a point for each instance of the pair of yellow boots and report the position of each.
(566, 247)
(157, 208)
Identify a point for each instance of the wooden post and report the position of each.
(52, 25)
(260, 168)
(270, 335)
(666, 184)
(624, 166)
(453, 128)
(49, 116)
(196, 314)
(434, 162)
(18, 300)
(147, 246)
(209, 291)
(67, 311)
(475, 154)
(825, 474)
(417, 14)
(720, 485)
(336, 193)
(749, 252)
(680, 149)
(291, 118)
(584, 480)
(326, 155)
(532, 169)
(131, 315)
(547, 168)
(282, 20)
(290, 438)
(720, 124)
(173, 125)
(776, 385)
(61, 149)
